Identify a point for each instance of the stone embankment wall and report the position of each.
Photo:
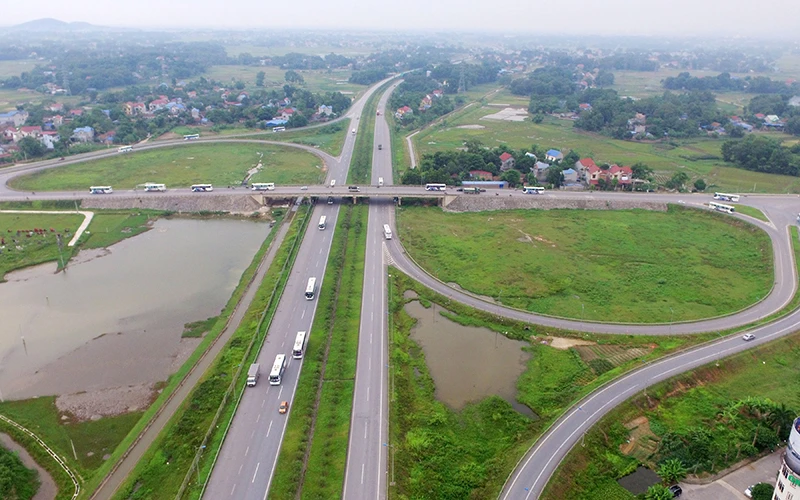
(487, 201)
(196, 203)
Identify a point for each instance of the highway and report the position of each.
(365, 471)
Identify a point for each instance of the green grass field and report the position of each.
(623, 266)
(36, 249)
(700, 158)
(315, 80)
(218, 164)
(329, 138)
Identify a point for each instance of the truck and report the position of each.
(252, 375)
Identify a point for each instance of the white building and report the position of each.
(788, 484)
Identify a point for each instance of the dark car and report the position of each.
(330, 200)
(675, 490)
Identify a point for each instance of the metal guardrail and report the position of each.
(50, 451)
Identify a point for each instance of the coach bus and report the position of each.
(387, 232)
(323, 222)
(533, 190)
(719, 207)
(152, 186)
(101, 190)
(263, 186)
(191, 137)
(278, 367)
(202, 188)
(726, 197)
(435, 187)
(125, 149)
(311, 288)
(299, 345)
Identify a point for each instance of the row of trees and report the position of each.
(724, 83)
(762, 154)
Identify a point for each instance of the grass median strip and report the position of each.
(162, 469)
(361, 166)
(314, 449)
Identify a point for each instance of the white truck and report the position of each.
(252, 375)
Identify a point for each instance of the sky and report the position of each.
(774, 18)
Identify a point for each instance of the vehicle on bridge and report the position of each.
(299, 345)
(278, 367)
(471, 190)
(726, 197)
(333, 182)
(387, 232)
(155, 187)
(533, 189)
(380, 181)
(354, 132)
(101, 190)
(252, 374)
(354, 189)
(323, 222)
(191, 137)
(202, 188)
(719, 207)
(124, 149)
(263, 186)
(435, 187)
(311, 288)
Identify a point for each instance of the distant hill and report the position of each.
(54, 25)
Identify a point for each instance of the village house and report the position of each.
(582, 165)
(134, 108)
(426, 103)
(34, 132)
(325, 110)
(554, 155)
(157, 104)
(15, 118)
(286, 113)
(83, 134)
(76, 112)
(480, 175)
(540, 171)
(506, 162)
(56, 107)
(401, 112)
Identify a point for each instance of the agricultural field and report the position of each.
(181, 166)
(699, 158)
(312, 49)
(315, 80)
(628, 266)
(22, 244)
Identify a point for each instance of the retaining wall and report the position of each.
(488, 201)
(197, 203)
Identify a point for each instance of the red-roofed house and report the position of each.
(401, 112)
(506, 162)
(582, 166)
(623, 175)
(34, 132)
(286, 113)
(76, 112)
(157, 104)
(56, 107)
(437, 93)
(480, 175)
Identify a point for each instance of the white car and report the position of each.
(303, 188)
(748, 336)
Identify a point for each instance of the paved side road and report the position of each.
(113, 481)
(733, 485)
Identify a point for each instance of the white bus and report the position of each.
(278, 129)
(299, 345)
(435, 187)
(202, 188)
(278, 367)
(311, 288)
(533, 190)
(101, 190)
(191, 137)
(387, 232)
(125, 149)
(152, 186)
(719, 207)
(380, 181)
(263, 186)
(726, 197)
(323, 221)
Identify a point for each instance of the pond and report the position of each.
(115, 316)
(468, 363)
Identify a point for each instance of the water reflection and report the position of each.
(468, 363)
(133, 300)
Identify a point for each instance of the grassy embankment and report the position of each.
(219, 164)
(314, 449)
(468, 454)
(106, 228)
(163, 468)
(698, 157)
(329, 138)
(752, 212)
(361, 165)
(631, 266)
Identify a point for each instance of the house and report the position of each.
(437, 93)
(570, 176)
(175, 108)
(286, 113)
(192, 94)
(506, 162)
(76, 112)
(794, 101)
(325, 110)
(134, 108)
(83, 134)
(34, 132)
(582, 165)
(401, 112)
(195, 114)
(426, 103)
(554, 155)
(540, 170)
(592, 174)
(623, 175)
(242, 96)
(585, 106)
(56, 107)
(157, 104)
(50, 139)
(15, 118)
(480, 175)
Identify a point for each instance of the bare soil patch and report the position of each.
(106, 402)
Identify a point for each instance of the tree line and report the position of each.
(725, 83)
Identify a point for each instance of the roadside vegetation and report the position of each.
(223, 165)
(314, 450)
(752, 212)
(707, 419)
(468, 453)
(17, 482)
(361, 165)
(165, 466)
(329, 138)
(630, 266)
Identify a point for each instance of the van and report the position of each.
(354, 131)
(252, 375)
(354, 189)
(333, 182)
(380, 181)
(330, 200)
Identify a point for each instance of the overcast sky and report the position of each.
(628, 17)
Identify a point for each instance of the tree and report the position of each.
(672, 470)
(412, 176)
(293, 76)
(762, 491)
(30, 147)
(512, 177)
(678, 180)
(736, 132)
(260, 78)
(658, 492)
(641, 171)
(700, 185)
(555, 176)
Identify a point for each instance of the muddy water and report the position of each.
(115, 317)
(468, 363)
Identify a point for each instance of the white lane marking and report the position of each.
(247, 451)
(303, 315)
(370, 337)
(372, 316)
(256, 472)
(280, 392)
(367, 394)
(269, 428)
(240, 470)
(262, 402)
(369, 364)
(233, 489)
(365, 430)
(252, 434)
(258, 417)
(362, 473)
